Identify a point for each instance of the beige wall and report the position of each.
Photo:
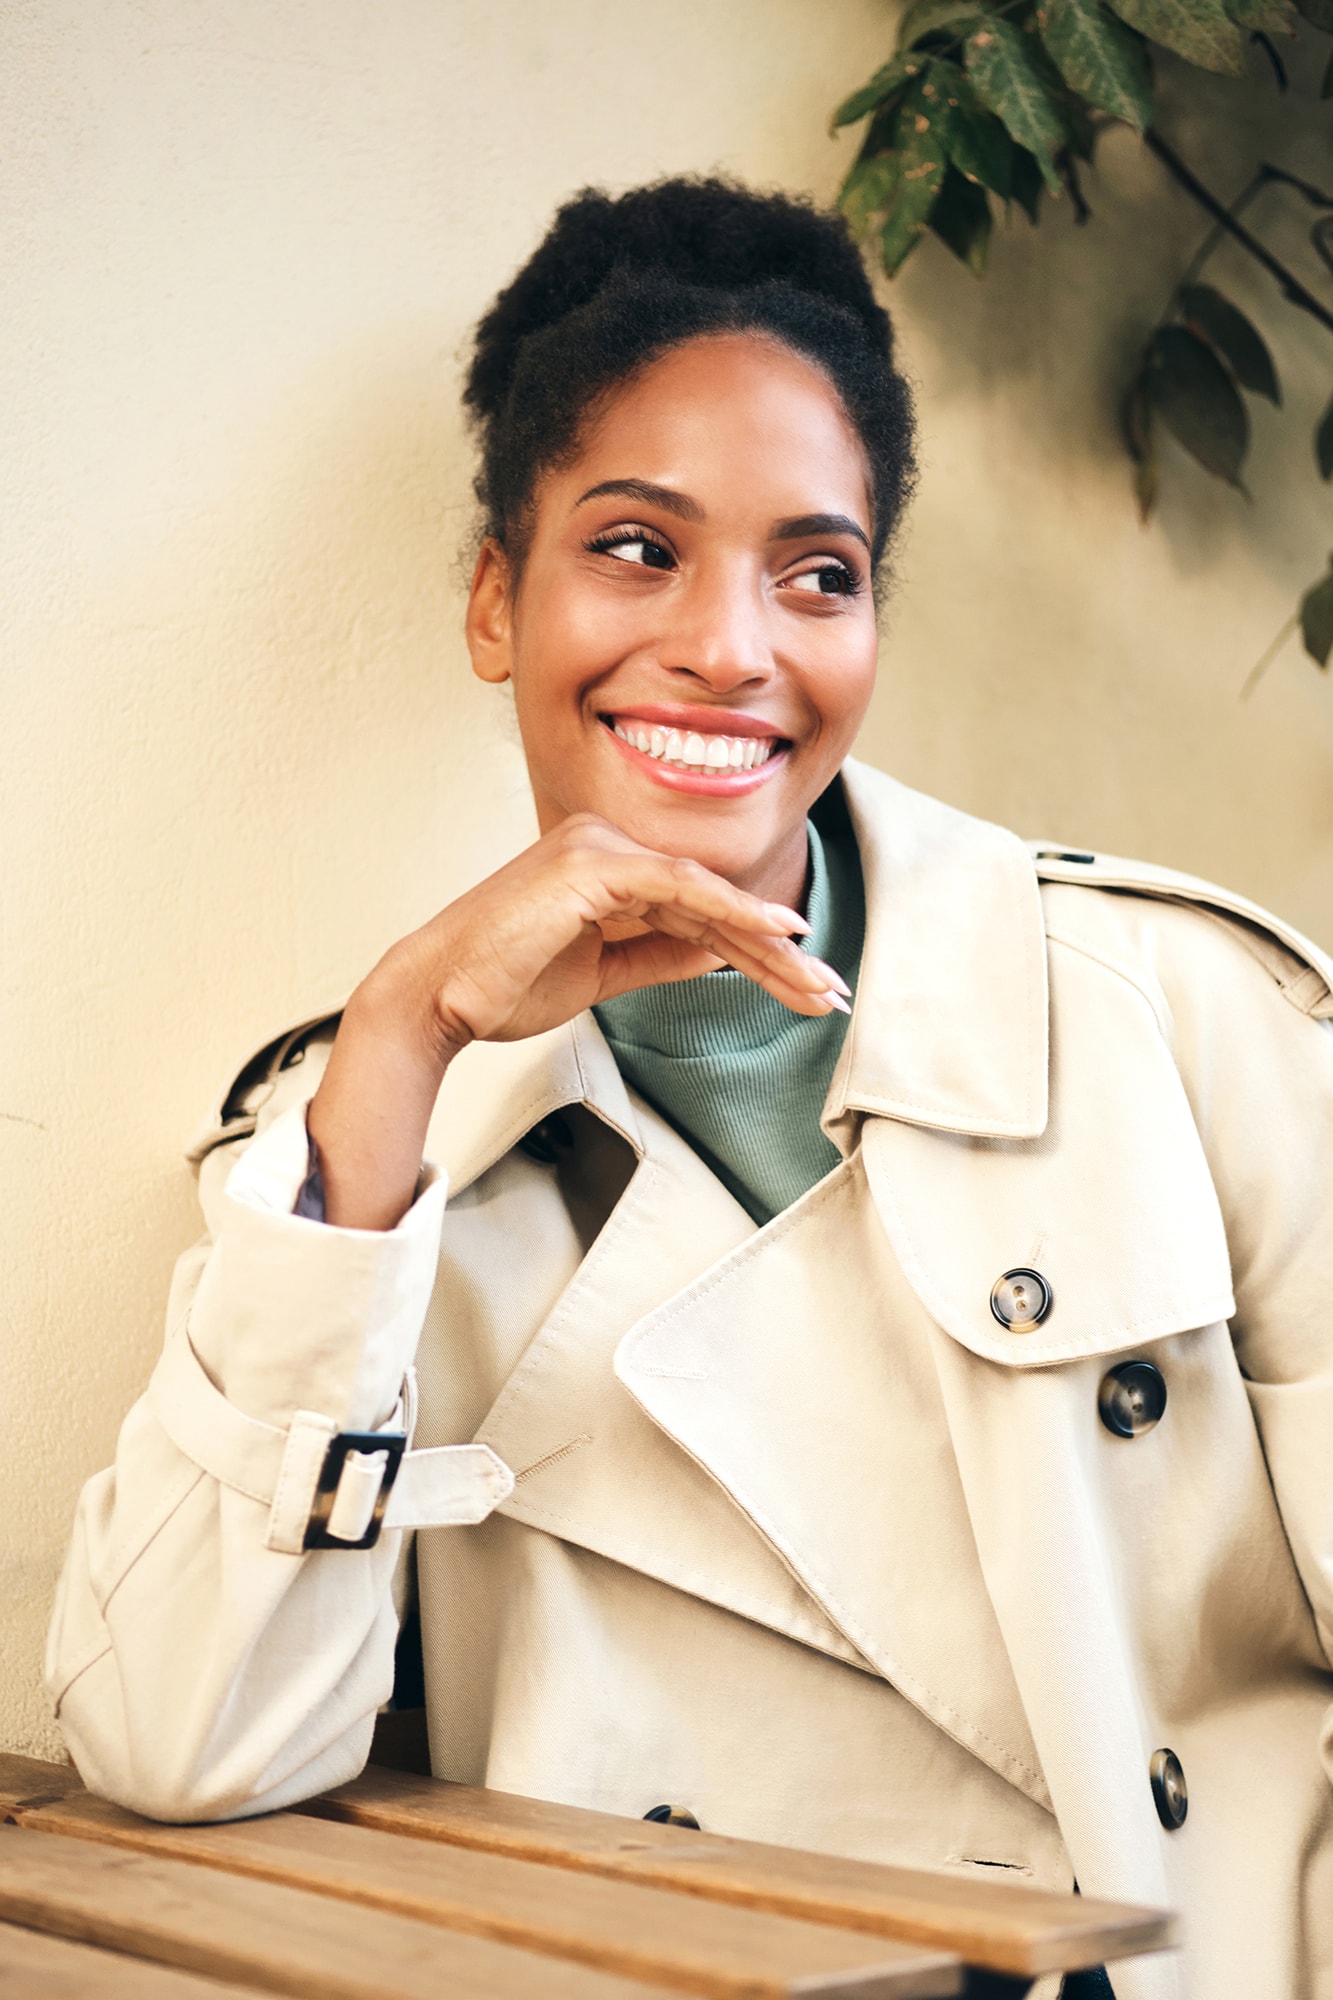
(244, 242)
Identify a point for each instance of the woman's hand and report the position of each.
(527, 949)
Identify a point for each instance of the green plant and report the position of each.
(1002, 100)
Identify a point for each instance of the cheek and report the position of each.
(843, 677)
(568, 634)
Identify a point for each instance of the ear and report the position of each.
(490, 615)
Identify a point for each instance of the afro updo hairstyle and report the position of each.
(617, 282)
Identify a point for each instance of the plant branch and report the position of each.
(1290, 285)
(1267, 657)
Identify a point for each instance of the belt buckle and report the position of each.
(317, 1534)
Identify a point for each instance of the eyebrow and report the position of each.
(665, 497)
(800, 525)
(793, 529)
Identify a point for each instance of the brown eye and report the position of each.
(829, 580)
(630, 546)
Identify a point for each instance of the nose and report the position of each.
(717, 637)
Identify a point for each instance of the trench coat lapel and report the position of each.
(592, 1465)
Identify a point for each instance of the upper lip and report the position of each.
(706, 721)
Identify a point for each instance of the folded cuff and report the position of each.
(294, 1314)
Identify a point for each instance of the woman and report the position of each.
(898, 1427)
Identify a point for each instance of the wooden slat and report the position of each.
(29, 1778)
(34, 1966)
(280, 1940)
(1007, 1928)
(680, 1942)
(1010, 1928)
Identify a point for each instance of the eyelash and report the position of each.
(615, 538)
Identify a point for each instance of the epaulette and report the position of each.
(1302, 971)
(258, 1081)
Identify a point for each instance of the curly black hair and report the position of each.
(617, 282)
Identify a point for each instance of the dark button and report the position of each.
(1169, 1794)
(1021, 1299)
(673, 1816)
(1132, 1398)
(1064, 854)
(546, 1140)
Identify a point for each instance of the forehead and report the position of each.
(733, 418)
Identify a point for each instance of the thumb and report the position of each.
(652, 959)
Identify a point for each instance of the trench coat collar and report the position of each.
(948, 1027)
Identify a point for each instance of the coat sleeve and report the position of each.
(200, 1672)
(1255, 1047)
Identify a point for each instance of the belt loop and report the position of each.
(302, 1462)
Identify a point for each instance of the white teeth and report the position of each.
(692, 751)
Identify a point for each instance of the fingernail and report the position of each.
(836, 980)
(790, 918)
(836, 1000)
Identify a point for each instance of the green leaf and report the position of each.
(1317, 619)
(979, 146)
(895, 73)
(867, 190)
(1025, 182)
(921, 163)
(961, 218)
(1099, 57)
(1200, 30)
(1319, 13)
(1236, 339)
(930, 17)
(1195, 397)
(1323, 444)
(1263, 17)
(1008, 83)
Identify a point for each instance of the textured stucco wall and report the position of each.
(242, 245)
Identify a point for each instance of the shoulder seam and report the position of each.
(1119, 971)
(1302, 972)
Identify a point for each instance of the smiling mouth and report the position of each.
(691, 750)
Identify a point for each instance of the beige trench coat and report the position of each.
(784, 1525)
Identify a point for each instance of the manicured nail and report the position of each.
(836, 981)
(790, 918)
(836, 1000)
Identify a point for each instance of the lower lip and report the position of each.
(705, 784)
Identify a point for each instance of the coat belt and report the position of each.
(324, 1488)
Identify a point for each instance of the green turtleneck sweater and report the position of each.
(742, 1077)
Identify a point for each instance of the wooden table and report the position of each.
(405, 1885)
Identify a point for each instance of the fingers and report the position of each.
(651, 959)
(632, 881)
(805, 984)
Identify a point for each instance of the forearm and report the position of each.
(203, 1663)
(368, 1119)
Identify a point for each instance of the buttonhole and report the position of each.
(978, 1861)
(540, 1464)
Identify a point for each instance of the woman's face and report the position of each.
(692, 643)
